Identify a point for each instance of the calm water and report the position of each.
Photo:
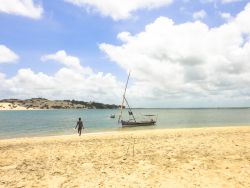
(57, 122)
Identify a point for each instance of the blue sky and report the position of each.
(80, 28)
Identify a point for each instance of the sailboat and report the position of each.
(132, 122)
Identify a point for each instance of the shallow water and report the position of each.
(58, 122)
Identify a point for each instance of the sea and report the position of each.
(36, 123)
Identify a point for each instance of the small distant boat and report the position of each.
(132, 122)
(112, 116)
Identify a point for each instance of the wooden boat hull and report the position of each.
(137, 123)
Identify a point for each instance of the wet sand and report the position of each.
(202, 157)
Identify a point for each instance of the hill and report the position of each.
(42, 103)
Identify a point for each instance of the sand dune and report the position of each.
(11, 106)
(204, 157)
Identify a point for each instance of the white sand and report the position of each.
(12, 106)
(204, 157)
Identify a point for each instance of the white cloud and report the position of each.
(6, 55)
(67, 60)
(199, 15)
(225, 15)
(118, 9)
(72, 81)
(221, 1)
(230, 1)
(188, 61)
(21, 8)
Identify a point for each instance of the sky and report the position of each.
(181, 53)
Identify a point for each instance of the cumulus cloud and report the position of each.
(67, 60)
(199, 15)
(118, 9)
(7, 55)
(72, 81)
(25, 8)
(188, 61)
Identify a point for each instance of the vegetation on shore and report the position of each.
(42, 103)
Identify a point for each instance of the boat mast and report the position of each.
(130, 111)
(123, 99)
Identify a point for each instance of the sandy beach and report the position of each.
(11, 106)
(202, 157)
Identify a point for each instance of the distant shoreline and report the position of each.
(223, 108)
(42, 103)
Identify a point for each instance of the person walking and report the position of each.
(79, 125)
